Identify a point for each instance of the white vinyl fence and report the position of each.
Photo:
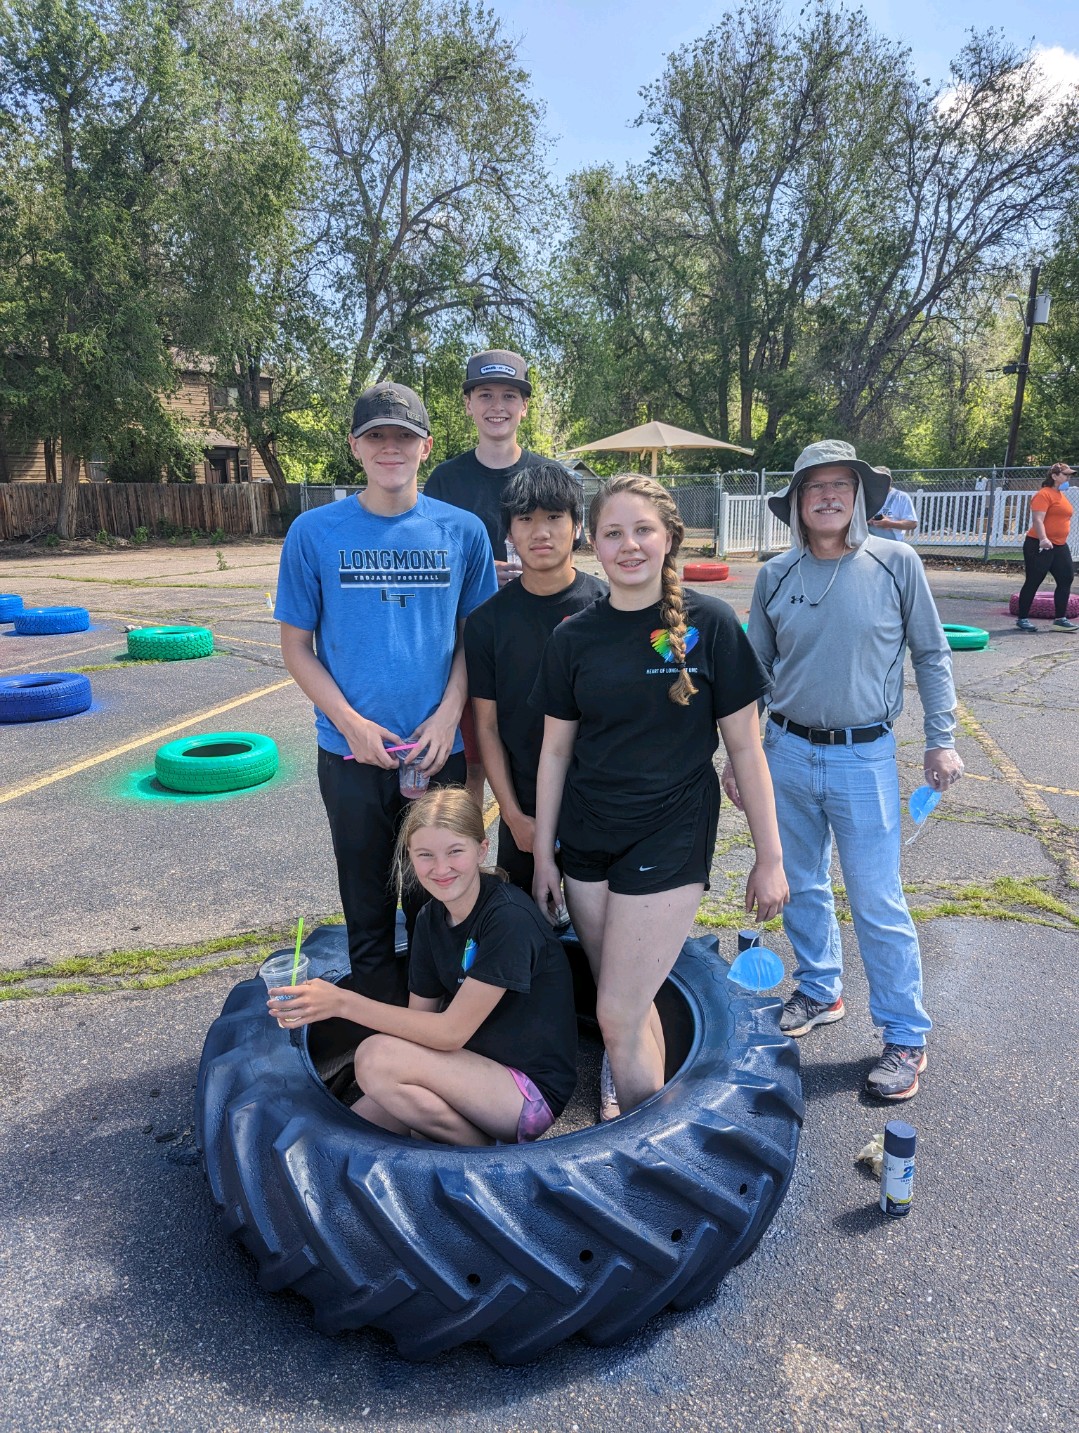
(958, 509)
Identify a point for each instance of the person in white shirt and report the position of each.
(896, 519)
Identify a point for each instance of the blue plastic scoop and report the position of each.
(921, 804)
(757, 969)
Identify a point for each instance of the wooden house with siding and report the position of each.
(205, 411)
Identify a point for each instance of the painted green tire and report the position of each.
(169, 644)
(965, 639)
(216, 761)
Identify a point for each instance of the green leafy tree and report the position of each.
(91, 97)
(432, 187)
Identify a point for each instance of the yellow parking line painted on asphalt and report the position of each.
(58, 657)
(28, 786)
(999, 781)
(490, 812)
(249, 641)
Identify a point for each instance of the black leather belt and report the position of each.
(824, 736)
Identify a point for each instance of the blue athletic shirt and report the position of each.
(383, 596)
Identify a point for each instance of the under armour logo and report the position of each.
(797, 599)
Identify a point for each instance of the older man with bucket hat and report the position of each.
(832, 621)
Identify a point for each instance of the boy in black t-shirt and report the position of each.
(497, 391)
(504, 641)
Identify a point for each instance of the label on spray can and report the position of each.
(897, 1168)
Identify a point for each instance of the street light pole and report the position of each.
(1021, 371)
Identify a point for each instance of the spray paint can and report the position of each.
(897, 1168)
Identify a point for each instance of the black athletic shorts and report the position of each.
(674, 855)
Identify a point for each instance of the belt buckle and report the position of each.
(821, 736)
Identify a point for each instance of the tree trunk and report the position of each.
(277, 473)
(70, 466)
(5, 471)
(50, 459)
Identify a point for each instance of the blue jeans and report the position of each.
(851, 792)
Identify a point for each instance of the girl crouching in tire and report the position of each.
(487, 1048)
(632, 690)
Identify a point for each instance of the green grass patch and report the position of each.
(148, 968)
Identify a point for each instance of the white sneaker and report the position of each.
(608, 1095)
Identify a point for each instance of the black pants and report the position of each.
(1058, 561)
(365, 808)
(519, 865)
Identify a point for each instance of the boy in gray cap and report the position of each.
(831, 621)
(497, 391)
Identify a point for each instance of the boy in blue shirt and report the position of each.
(372, 596)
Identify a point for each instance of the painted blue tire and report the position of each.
(520, 1246)
(48, 621)
(10, 603)
(43, 696)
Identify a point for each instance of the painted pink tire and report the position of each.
(1042, 606)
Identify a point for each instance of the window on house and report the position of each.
(222, 398)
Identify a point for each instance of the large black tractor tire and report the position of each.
(519, 1246)
(42, 696)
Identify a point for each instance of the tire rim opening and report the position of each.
(221, 748)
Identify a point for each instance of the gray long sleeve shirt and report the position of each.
(840, 664)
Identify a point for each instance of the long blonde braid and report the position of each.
(672, 601)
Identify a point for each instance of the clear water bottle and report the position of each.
(513, 559)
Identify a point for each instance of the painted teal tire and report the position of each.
(216, 761)
(48, 621)
(10, 604)
(169, 644)
(965, 639)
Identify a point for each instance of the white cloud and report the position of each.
(1059, 66)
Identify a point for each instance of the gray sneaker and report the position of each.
(1062, 624)
(895, 1075)
(801, 1012)
(1026, 625)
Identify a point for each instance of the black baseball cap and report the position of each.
(497, 365)
(390, 405)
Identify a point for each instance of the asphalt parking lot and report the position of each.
(130, 913)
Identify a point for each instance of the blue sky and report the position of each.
(588, 58)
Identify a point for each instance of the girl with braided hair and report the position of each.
(632, 690)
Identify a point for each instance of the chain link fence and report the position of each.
(969, 511)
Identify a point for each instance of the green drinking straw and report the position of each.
(296, 957)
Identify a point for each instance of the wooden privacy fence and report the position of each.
(120, 509)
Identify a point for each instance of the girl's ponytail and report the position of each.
(672, 609)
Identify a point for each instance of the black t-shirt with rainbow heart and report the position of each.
(640, 761)
(504, 941)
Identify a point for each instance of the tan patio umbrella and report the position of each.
(653, 438)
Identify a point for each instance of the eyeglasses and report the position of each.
(841, 485)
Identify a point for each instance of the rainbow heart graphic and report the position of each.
(661, 642)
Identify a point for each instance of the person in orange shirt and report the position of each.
(1046, 550)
